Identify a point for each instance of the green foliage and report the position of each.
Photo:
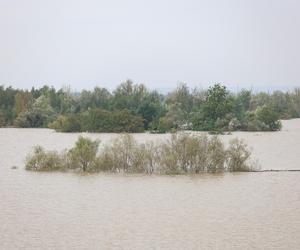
(41, 160)
(2, 118)
(217, 155)
(218, 102)
(7, 103)
(182, 98)
(98, 98)
(140, 101)
(98, 120)
(268, 117)
(68, 123)
(83, 155)
(241, 104)
(23, 101)
(260, 99)
(296, 101)
(39, 115)
(238, 156)
(215, 109)
(124, 154)
(134, 108)
(125, 121)
(165, 124)
(183, 153)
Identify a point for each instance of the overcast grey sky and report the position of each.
(240, 43)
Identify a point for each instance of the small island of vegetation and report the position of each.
(183, 153)
(134, 108)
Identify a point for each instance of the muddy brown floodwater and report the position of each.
(106, 211)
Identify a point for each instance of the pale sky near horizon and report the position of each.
(240, 43)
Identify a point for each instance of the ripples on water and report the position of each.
(69, 211)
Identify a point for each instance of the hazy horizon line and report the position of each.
(233, 88)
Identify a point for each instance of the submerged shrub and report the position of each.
(150, 153)
(238, 156)
(216, 155)
(185, 153)
(182, 153)
(41, 160)
(124, 154)
(169, 160)
(83, 155)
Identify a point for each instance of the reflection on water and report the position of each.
(71, 211)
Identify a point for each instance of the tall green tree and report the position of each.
(23, 101)
(2, 119)
(217, 105)
(39, 115)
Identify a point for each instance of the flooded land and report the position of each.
(112, 211)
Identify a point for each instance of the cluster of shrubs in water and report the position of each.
(182, 153)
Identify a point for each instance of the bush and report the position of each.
(125, 121)
(216, 155)
(83, 155)
(41, 160)
(164, 124)
(268, 117)
(178, 154)
(234, 124)
(150, 154)
(98, 120)
(238, 156)
(124, 154)
(182, 153)
(169, 160)
(69, 123)
(262, 119)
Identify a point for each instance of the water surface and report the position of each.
(106, 211)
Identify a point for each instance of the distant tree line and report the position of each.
(134, 108)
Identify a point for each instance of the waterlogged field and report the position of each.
(107, 211)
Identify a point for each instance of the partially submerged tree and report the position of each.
(83, 155)
(216, 155)
(123, 155)
(42, 160)
(185, 153)
(182, 153)
(238, 156)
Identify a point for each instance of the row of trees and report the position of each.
(99, 120)
(134, 108)
(183, 153)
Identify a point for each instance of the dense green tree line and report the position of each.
(134, 108)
